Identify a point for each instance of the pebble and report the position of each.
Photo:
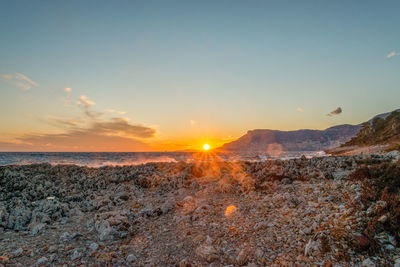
(207, 252)
(76, 254)
(18, 252)
(368, 263)
(131, 258)
(42, 260)
(93, 246)
(383, 219)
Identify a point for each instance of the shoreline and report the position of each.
(276, 212)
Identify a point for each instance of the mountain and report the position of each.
(380, 130)
(265, 140)
(300, 140)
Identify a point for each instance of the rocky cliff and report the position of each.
(265, 140)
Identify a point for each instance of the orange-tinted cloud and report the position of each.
(86, 104)
(115, 135)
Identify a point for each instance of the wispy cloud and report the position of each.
(300, 109)
(115, 111)
(67, 89)
(192, 122)
(83, 100)
(57, 121)
(337, 111)
(19, 80)
(86, 104)
(392, 54)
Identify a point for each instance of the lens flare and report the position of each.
(206, 146)
(230, 210)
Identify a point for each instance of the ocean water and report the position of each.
(98, 159)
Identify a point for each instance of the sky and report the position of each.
(173, 75)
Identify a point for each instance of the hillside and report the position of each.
(381, 130)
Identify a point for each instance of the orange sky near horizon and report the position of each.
(173, 75)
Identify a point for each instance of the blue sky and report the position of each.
(193, 71)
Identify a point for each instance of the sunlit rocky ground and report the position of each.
(330, 211)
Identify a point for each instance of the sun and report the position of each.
(206, 146)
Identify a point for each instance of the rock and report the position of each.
(394, 155)
(19, 216)
(75, 235)
(52, 257)
(114, 224)
(37, 228)
(76, 254)
(18, 252)
(105, 231)
(260, 225)
(64, 236)
(389, 247)
(311, 248)
(375, 206)
(42, 260)
(241, 258)
(308, 230)
(368, 263)
(168, 205)
(52, 249)
(189, 204)
(184, 263)
(340, 174)
(259, 254)
(93, 246)
(397, 262)
(4, 259)
(382, 219)
(361, 240)
(207, 252)
(131, 258)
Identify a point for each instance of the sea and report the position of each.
(99, 159)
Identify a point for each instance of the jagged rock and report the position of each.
(76, 254)
(36, 227)
(131, 258)
(383, 219)
(368, 263)
(397, 262)
(374, 207)
(207, 252)
(115, 224)
(42, 261)
(52, 249)
(361, 240)
(241, 258)
(65, 236)
(18, 252)
(93, 246)
(168, 205)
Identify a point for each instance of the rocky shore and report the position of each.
(328, 211)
